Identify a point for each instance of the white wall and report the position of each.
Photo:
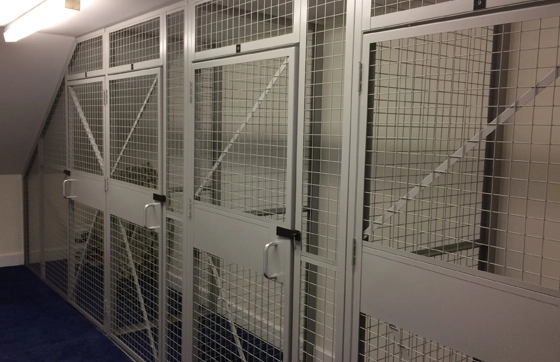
(11, 220)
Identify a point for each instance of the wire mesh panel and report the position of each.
(382, 7)
(383, 342)
(54, 133)
(55, 229)
(174, 296)
(175, 110)
(135, 287)
(221, 23)
(34, 214)
(322, 160)
(87, 57)
(85, 120)
(461, 161)
(86, 265)
(135, 44)
(134, 130)
(241, 121)
(238, 314)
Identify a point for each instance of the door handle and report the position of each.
(146, 207)
(64, 189)
(266, 272)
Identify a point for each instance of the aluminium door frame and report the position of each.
(484, 279)
(158, 71)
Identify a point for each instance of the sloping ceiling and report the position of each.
(31, 69)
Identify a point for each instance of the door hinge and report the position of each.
(354, 248)
(360, 72)
(106, 184)
(190, 208)
(105, 97)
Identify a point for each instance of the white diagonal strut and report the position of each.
(83, 119)
(228, 311)
(139, 290)
(243, 125)
(82, 258)
(468, 146)
(134, 125)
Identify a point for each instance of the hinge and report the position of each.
(105, 97)
(354, 247)
(190, 208)
(106, 184)
(360, 75)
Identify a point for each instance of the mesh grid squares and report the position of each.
(384, 342)
(238, 314)
(134, 130)
(86, 262)
(135, 44)
(54, 133)
(87, 57)
(175, 110)
(174, 295)
(222, 23)
(86, 127)
(135, 287)
(383, 7)
(241, 125)
(34, 215)
(430, 96)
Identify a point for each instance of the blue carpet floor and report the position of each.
(37, 325)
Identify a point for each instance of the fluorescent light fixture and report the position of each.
(10, 10)
(47, 14)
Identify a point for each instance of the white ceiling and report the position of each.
(31, 69)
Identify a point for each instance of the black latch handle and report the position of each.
(288, 233)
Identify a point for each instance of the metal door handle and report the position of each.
(64, 189)
(265, 260)
(146, 207)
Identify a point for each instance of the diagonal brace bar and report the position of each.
(134, 125)
(228, 311)
(468, 146)
(86, 127)
(82, 257)
(242, 126)
(139, 290)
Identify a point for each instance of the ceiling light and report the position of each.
(10, 10)
(47, 14)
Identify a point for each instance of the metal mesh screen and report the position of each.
(135, 44)
(54, 133)
(318, 320)
(135, 287)
(322, 159)
(221, 23)
(134, 130)
(34, 214)
(382, 7)
(175, 110)
(462, 154)
(238, 314)
(174, 278)
(85, 120)
(383, 342)
(87, 57)
(55, 229)
(241, 125)
(86, 263)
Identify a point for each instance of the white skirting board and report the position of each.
(11, 260)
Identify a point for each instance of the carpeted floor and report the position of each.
(37, 325)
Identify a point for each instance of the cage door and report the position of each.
(134, 205)
(438, 127)
(244, 206)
